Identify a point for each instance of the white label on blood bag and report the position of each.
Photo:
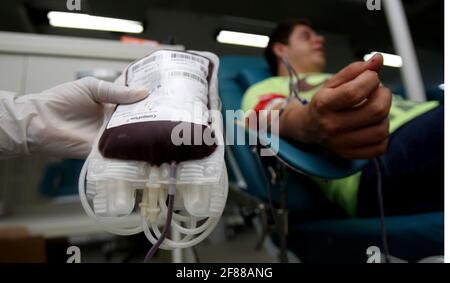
(178, 84)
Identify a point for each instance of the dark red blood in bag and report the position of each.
(152, 142)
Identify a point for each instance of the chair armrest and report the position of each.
(310, 160)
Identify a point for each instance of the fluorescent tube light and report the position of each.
(85, 21)
(240, 38)
(390, 60)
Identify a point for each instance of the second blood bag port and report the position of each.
(172, 124)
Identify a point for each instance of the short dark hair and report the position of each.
(281, 34)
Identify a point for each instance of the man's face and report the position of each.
(305, 49)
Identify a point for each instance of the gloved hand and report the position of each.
(62, 121)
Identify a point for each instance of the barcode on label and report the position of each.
(189, 76)
(144, 62)
(189, 57)
(204, 70)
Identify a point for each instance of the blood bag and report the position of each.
(161, 158)
(178, 101)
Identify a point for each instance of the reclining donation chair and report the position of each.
(314, 229)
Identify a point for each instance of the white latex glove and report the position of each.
(62, 121)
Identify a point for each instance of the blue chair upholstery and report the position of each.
(231, 90)
(318, 230)
(61, 179)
